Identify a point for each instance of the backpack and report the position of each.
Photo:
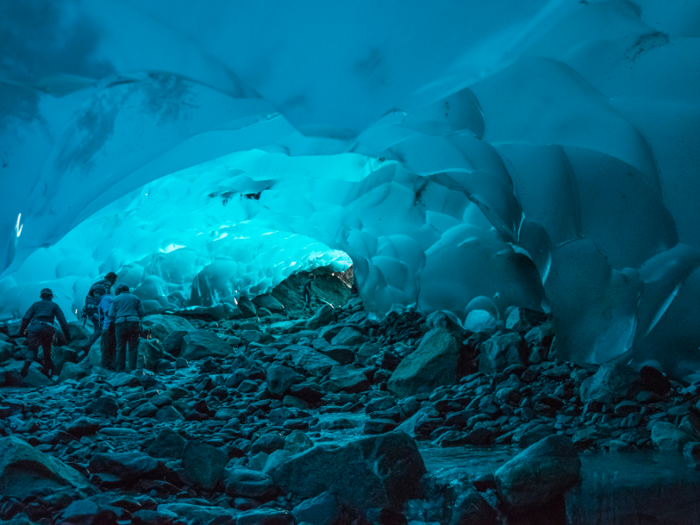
(92, 300)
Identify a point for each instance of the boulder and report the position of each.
(472, 509)
(126, 465)
(35, 378)
(198, 344)
(246, 483)
(72, 371)
(168, 444)
(168, 414)
(343, 354)
(313, 362)
(297, 442)
(161, 326)
(654, 380)
(612, 381)
(150, 352)
(321, 510)
(25, 470)
(172, 344)
(499, 352)
(203, 464)
(268, 302)
(198, 514)
(348, 337)
(521, 319)
(666, 436)
(539, 473)
(374, 472)
(434, 363)
(103, 406)
(83, 426)
(247, 308)
(280, 378)
(267, 443)
(146, 410)
(6, 350)
(322, 317)
(347, 379)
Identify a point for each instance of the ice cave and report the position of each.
(471, 167)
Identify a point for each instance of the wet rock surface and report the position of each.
(328, 419)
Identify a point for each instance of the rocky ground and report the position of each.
(277, 418)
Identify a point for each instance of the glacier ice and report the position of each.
(461, 156)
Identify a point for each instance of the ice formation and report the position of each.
(464, 156)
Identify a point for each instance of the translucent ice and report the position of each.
(468, 157)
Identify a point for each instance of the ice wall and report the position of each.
(465, 157)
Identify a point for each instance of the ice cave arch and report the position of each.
(546, 159)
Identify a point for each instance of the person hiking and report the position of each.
(125, 313)
(306, 291)
(108, 343)
(37, 323)
(92, 300)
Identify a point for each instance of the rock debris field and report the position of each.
(277, 418)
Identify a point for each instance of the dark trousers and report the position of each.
(95, 320)
(128, 334)
(39, 335)
(108, 346)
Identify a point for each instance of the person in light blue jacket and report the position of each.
(125, 313)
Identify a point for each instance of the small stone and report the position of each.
(203, 464)
(625, 408)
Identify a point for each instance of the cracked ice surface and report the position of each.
(462, 157)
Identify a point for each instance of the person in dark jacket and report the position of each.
(37, 323)
(92, 301)
(125, 313)
(306, 291)
(108, 343)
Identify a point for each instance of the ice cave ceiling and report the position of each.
(462, 155)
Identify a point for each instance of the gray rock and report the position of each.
(126, 465)
(269, 302)
(348, 337)
(379, 471)
(297, 442)
(321, 317)
(103, 406)
(472, 509)
(83, 426)
(313, 362)
(612, 381)
(168, 444)
(197, 514)
(150, 352)
(145, 410)
(199, 344)
(6, 350)
(666, 436)
(499, 352)
(71, 371)
(538, 474)
(280, 378)
(265, 517)
(346, 378)
(169, 414)
(343, 354)
(247, 483)
(247, 308)
(203, 464)
(321, 510)
(521, 319)
(25, 470)
(433, 364)
(172, 344)
(535, 434)
(268, 443)
(35, 378)
(161, 326)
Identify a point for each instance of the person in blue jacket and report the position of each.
(125, 313)
(37, 324)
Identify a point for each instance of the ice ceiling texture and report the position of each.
(465, 155)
